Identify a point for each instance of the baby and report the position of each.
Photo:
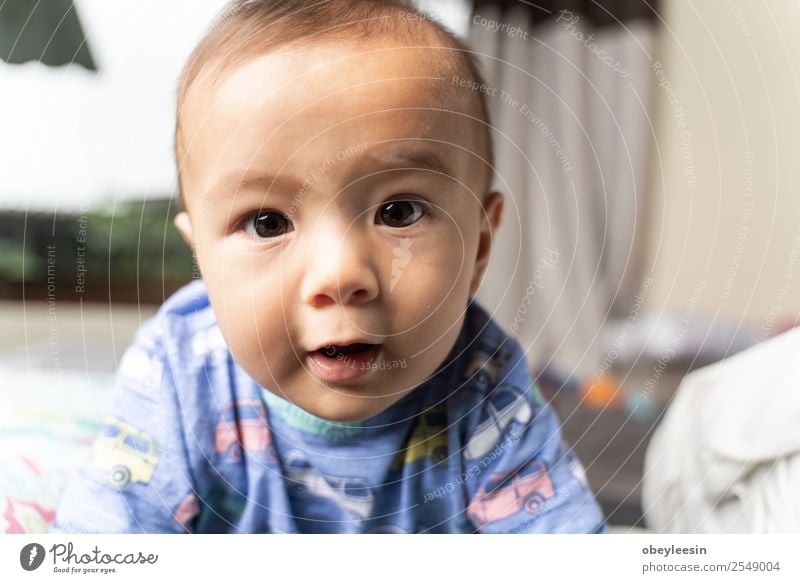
(331, 371)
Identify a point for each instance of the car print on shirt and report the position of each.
(354, 495)
(485, 367)
(428, 438)
(500, 498)
(128, 453)
(209, 345)
(186, 511)
(243, 425)
(141, 371)
(503, 406)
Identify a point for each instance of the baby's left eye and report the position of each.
(267, 224)
(400, 213)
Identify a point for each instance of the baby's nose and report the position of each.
(340, 270)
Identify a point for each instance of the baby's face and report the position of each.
(332, 200)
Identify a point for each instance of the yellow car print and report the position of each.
(428, 439)
(128, 453)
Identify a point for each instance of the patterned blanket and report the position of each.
(48, 420)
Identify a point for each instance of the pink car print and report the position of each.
(187, 510)
(243, 425)
(526, 492)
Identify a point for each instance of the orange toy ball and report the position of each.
(598, 392)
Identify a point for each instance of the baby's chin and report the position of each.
(345, 414)
(342, 404)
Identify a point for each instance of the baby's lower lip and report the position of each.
(343, 367)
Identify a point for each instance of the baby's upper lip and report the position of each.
(343, 343)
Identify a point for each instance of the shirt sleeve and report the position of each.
(136, 478)
(519, 475)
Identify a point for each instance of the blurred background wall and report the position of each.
(725, 190)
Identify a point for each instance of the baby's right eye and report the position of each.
(267, 224)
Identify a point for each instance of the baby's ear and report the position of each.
(491, 213)
(184, 225)
(493, 207)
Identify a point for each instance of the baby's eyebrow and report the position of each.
(426, 160)
(420, 160)
(262, 182)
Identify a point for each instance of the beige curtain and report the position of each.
(572, 129)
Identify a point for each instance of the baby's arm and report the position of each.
(520, 477)
(136, 478)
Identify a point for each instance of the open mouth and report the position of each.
(340, 351)
(344, 362)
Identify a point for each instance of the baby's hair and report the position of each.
(249, 28)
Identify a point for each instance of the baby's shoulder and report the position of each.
(493, 379)
(184, 330)
(185, 312)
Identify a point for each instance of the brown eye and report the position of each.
(268, 224)
(400, 213)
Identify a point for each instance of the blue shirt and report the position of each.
(193, 444)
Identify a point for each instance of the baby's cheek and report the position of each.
(433, 271)
(258, 342)
(429, 293)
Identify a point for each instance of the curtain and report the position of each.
(572, 131)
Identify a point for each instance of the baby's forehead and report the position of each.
(323, 90)
(425, 73)
(422, 77)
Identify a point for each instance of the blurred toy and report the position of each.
(602, 391)
(641, 407)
